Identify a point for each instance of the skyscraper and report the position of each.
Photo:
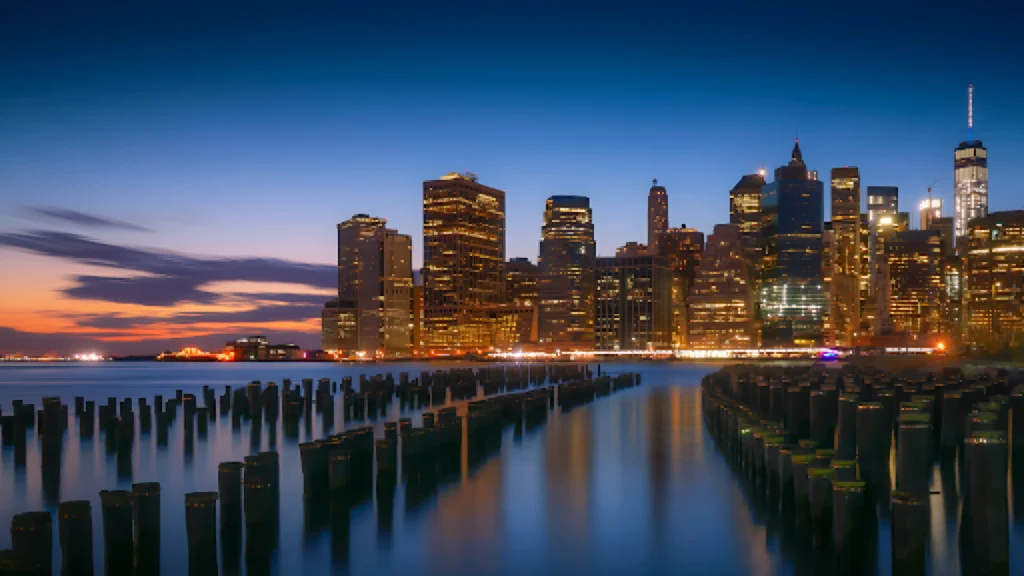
(682, 248)
(745, 212)
(792, 294)
(970, 176)
(375, 276)
(915, 272)
(883, 208)
(634, 300)
(463, 262)
(845, 312)
(657, 213)
(721, 302)
(993, 279)
(566, 285)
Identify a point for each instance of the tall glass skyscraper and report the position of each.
(745, 212)
(792, 292)
(970, 176)
(970, 182)
(845, 313)
(463, 262)
(566, 284)
(657, 214)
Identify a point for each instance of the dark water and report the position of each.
(631, 483)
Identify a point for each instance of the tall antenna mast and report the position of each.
(970, 112)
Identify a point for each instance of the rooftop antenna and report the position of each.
(970, 112)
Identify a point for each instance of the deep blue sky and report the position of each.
(251, 130)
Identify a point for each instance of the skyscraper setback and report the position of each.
(463, 262)
(657, 214)
(970, 176)
(566, 284)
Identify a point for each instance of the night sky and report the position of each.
(172, 173)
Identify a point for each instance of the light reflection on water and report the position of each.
(630, 483)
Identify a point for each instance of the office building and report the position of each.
(721, 302)
(792, 295)
(970, 176)
(882, 201)
(375, 272)
(463, 263)
(881, 296)
(944, 226)
(864, 261)
(827, 262)
(566, 285)
(657, 213)
(634, 301)
(931, 210)
(845, 309)
(682, 248)
(338, 326)
(993, 276)
(915, 279)
(745, 212)
(521, 300)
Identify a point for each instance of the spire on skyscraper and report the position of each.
(797, 155)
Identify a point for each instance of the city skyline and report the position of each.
(133, 160)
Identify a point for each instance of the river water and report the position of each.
(629, 484)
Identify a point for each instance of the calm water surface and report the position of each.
(631, 483)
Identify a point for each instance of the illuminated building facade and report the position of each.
(993, 278)
(882, 201)
(521, 299)
(970, 182)
(463, 262)
(845, 269)
(827, 254)
(944, 226)
(634, 301)
(881, 296)
(375, 272)
(566, 284)
(915, 279)
(867, 317)
(931, 210)
(682, 248)
(745, 212)
(338, 325)
(721, 301)
(657, 213)
(792, 295)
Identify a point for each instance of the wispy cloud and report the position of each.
(165, 278)
(83, 219)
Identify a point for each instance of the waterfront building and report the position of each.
(745, 212)
(463, 263)
(634, 301)
(521, 300)
(915, 279)
(338, 326)
(682, 248)
(657, 213)
(721, 302)
(970, 176)
(792, 295)
(845, 308)
(566, 285)
(993, 276)
(375, 272)
(867, 319)
(881, 285)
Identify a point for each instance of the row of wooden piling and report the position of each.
(337, 469)
(816, 444)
